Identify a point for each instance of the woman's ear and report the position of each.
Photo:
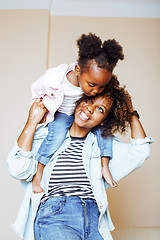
(77, 70)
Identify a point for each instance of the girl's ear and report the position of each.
(77, 70)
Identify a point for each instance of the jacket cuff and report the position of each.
(141, 141)
(19, 152)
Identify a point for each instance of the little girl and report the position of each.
(62, 86)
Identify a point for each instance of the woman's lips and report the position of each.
(83, 116)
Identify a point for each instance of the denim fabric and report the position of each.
(57, 131)
(105, 144)
(67, 218)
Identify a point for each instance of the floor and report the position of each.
(137, 233)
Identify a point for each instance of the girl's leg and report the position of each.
(106, 172)
(56, 133)
(105, 145)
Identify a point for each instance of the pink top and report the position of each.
(49, 87)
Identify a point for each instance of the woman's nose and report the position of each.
(90, 108)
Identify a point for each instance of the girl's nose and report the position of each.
(95, 91)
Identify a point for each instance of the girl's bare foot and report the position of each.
(36, 185)
(108, 177)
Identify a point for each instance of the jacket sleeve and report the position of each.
(128, 157)
(49, 87)
(22, 164)
(49, 82)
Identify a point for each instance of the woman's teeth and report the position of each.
(84, 116)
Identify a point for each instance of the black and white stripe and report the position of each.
(68, 177)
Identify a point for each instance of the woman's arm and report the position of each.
(137, 130)
(21, 160)
(36, 114)
(128, 157)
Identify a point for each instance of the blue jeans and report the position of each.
(105, 144)
(67, 218)
(57, 131)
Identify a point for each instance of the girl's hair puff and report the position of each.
(91, 48)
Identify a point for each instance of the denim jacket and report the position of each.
(22, 165)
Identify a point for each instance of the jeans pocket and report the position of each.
(51, 207)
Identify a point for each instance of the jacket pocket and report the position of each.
(96, 165)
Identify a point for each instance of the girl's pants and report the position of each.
(57, 131)
(67, 218)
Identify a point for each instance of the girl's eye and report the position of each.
(89, 100)
(91, 84)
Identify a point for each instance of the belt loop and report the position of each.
(83, 201)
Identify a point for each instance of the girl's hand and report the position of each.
(37, 111)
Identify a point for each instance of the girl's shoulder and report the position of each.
(61, 67)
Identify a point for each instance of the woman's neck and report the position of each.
(76, 131)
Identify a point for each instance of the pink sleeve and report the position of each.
(48, 87)
(38, 88)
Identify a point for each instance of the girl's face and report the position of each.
(91, 113)
(94, 80)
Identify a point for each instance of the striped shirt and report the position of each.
(68, 177)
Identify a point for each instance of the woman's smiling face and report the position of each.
(92, 112)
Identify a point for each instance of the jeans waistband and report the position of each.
(75, 199)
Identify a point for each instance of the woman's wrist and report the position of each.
(137, 130)
(135, 113)
(31, 121)
(26, 137)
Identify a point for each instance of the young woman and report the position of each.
(74, 204)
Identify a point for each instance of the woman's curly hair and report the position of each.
(91, 48)
(119, 117)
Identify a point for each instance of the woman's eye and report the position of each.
(100, 110)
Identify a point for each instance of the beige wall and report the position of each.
(26, 50)
(23, 54)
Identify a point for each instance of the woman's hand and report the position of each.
(36, 115)
(37, 112)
